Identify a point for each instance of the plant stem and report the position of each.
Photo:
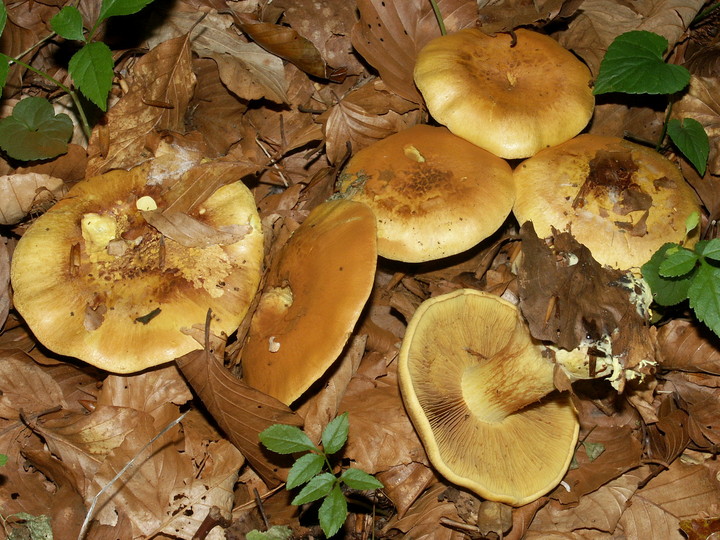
(704, 13)
(663, 133)
(439, 18)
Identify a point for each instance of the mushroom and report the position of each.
(312, 299)
(621, 200)
(95, 281)
(510, 94)
(433, 193)
(480, 393)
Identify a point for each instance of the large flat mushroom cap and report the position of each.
(512, 100)
(466, 362)
(94, 281)
(433, 193)
(620, 199)
(312, 300)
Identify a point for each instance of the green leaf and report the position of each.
(692, 222)
(704, 295)
(3, 459)
(3, 17)
(710, 250)
(276, 532)
(333, 512)
(335, 434)
(304, 468)
(678, 263)
(666, 291)
(692, 140)
(633, 64)
(92, 71)
(4, 69)
(34, 131)
(114, 8)
(317, 488)
(68, 23)
(284, 439)
(357, 479)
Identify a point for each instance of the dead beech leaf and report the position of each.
(700, 529)
(689, 346)
(702, 103)
(163, 82)
(189, 232)
(405, 483)
(669, 436)
(4, 281)
(422, 520)
(390, 34)
(25, 387)
(506, 15)
(30, 193)
(700, 401)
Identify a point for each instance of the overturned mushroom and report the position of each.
(480, 394)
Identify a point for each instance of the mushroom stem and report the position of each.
(494, 390)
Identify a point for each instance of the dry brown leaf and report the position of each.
(29, 193)
(405, 483)
(390, 34)
(190, 232)
(687, 345)
(69, 166)
(669, 436)
(25, 388)
(506, 15)
(699, 397)
(4, 281)
(639, 117)
(163, 83)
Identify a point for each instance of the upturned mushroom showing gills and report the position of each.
(510, 94)
(480, 394)
(312, 299)
(95, 281)
(434, 194)
(621, 200)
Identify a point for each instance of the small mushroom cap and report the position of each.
(312, 300)
(512, 100)
(472, 380)
(93, 280)
(433, 193)
(621, 200)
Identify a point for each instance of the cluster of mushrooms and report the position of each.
(110, 289)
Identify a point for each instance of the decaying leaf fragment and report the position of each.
(29, 193)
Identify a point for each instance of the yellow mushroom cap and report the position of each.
(433, 193)
(511, 99)
(312, 299)
(621, 200)
(480, 395)
(95, 281)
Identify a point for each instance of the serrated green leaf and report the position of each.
(114, 8)
(633, 64)
(284, 439)
(357, 479)
(34, 131)
(68, 23)
(92, 71)
(692, 222)
(678, 263)
(710, 250)
(335, 433)
(666, 291)
(304, 468)
(317, 488)
(692, 140)
(704, 295)
(3, 17)
(333, 512)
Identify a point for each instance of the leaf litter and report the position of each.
(281, 94)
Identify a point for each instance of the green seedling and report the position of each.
(34, 131)
(314, 471)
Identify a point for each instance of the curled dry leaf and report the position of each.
(27, 194)
(689, 346)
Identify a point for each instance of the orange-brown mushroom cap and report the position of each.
(480, 395)
(621, 200)
(312, 299)
(512, 99)
(93, 280)
(433, 193)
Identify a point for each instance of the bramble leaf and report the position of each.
(34, 131)
(68, 23)
(692, 140)
(333, 512)
(113, 8)
(634, 64)
(704, 295)
(285, 439)
(678, 263)
(335, 434)
(304, 468)
(667, 291)
(92, 71)
(357, 479)
(320, 486)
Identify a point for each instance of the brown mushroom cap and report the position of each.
(511, 99)
(312, 299)
(476, 388)
(93, 280)
(433, 193)
(621, 200)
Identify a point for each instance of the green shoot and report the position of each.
(314, 470)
